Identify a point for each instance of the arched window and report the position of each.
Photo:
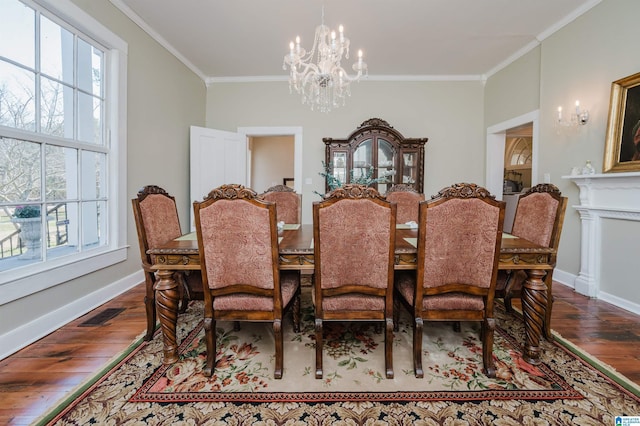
(519, 152)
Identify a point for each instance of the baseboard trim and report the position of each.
(564, 278)
(32, 331)
(568, 279)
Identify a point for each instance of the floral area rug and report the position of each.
(563, 389)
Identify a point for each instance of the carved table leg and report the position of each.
(534, 307)
(167, 296)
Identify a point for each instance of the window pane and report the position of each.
(61, 173)
(10, 237)
(56, 51)
(62, 229)
(89, 119)
(56, 108)
(17, 88)
(19, 170)
(93, 175)
(17, 32)
(93, 224)
(89, 68)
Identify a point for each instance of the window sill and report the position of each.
(18, 284)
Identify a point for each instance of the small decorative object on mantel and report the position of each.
(588, 169)
(622, 147)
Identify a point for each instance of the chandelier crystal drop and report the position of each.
(318, 76)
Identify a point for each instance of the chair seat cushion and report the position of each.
(406, 282)
(289, 283)
(360, 302)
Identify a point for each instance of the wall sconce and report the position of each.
(579, 117)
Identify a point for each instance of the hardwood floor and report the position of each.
(35, 378)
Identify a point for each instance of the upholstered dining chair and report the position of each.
(407, 199)
(539, 217)
(354, 240)
(459, 238)
(238, 240)
(157, 222)
(288, 203)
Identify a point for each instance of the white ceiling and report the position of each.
(401, 39)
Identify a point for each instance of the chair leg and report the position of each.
(508, 295)
(183, 289)
(507, 303)
(236, 326)
(277, 333)
(150, 306)
(388, 348)
(210, 338)
(417, 348)
(296, 312)
(396, 314)
(319, 344)
(488, 327)
(456, 326)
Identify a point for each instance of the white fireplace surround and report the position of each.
(610, 196)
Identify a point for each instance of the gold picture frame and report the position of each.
(622, 144)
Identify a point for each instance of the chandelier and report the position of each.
(318, 76)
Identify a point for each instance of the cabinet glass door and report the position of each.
(409, 168)
(339, 167)
(362, 159)
(386, 165)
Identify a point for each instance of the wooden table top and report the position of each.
(300, 241)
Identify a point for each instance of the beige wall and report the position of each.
(164, 99)
(617, 277)
(578, 62)
(448, 113)
(514, 90)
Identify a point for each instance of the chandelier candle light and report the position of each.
(323, 84)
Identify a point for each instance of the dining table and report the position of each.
(295, 246)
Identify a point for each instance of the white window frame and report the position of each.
(21, 282)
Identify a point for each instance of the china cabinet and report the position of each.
(376, 150)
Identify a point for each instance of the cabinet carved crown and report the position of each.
(377, 150)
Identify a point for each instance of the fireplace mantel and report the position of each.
(612, 196)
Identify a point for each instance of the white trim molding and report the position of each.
(28, 333)
(602, 196)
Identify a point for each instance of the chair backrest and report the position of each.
(238, 239)
(459, 239)
(288, 203)
(540, 214)
(408, 201)
(354, 238)
(156, 217)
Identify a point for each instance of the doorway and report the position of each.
(291, 132)
(271, 161)
(512, 160)
(496, 147)
(517, 158)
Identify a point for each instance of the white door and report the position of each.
(217, 157)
